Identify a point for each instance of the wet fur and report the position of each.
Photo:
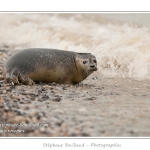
(47, 65)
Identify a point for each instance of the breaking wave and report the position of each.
(122, 46)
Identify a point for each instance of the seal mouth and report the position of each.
(93, 69)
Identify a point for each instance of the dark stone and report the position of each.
(58, 99)
(43, 89)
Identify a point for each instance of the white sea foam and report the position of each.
(122, 49)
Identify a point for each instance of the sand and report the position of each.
(97, 107)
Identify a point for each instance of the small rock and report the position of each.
(46, 86)
(58, 99)
(89, 99)
(45, 96)
(1, 78)
(24, 102)
(82, 110)
(56, 95)
(1, 92)
(63, 88)
(43, 89)
(67, 85)
(19, 118)
(8, 88)
(59, 111)
(42, 129)
(53, 83)
(39, 91)
(6, 109)
(36, 99)
(68, 96)
(4, 92)
(1, 100)
(25, 108)
(52, 91)
(83, 95)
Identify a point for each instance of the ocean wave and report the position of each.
(122, 49)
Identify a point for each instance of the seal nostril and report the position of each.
(92, 66)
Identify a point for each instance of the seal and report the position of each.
(48, 65)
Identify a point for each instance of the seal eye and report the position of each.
(84, 62)
(94, 61)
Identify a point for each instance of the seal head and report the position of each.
(86, 64)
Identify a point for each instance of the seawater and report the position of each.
(121, 42)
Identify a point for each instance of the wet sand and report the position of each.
(97, 107)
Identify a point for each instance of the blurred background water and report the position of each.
(120, 41)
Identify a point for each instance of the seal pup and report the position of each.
(48, 65)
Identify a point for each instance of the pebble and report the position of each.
(44, 96)
(16, 97)
(54, 120)
(58, 99)
(83, 95)
(68, 96)
(1, 92)
(42, 129)
(58, 111)
(82, 110)
(39, 91)
(29, 93)
(25, 108)
(117, 93)
(46, 86)
(24, 102)
(19, 118)
(19, 113)
(4, 92)
(57, 96)
(1, 78)
(53, 84)
(73, 133)
(43, 89)
(89, 99)
(8, 89)
(6, 109)
(1, 100)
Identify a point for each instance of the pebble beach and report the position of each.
(112, 102)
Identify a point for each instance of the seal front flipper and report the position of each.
(26, 80)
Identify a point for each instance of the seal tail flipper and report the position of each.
(12, 79)
(26, 80)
